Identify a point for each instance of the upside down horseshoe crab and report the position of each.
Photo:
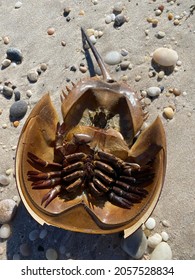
(95, 172)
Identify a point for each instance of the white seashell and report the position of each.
(165, 56)
(5, 231)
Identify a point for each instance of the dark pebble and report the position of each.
(73, 68)
(17, 94)
(18, 110)
(15, 55)
(7, 92)
(119, 20)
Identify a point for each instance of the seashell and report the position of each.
(165, 56)
(95, 172)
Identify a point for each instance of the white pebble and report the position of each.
(18, 5)
(9, 171)
(161, 74)
(29, 93)
(5, 231)
(165, 56)
(7, 210)
(158, 12)
(113, 57)
(108, 19)
(153, 91)
(161, 34)
(4, 180)
(165, 223)
(118, 7)
(92, 39)
(154, 240)
(162, 252)
(51, 254)
(165, 236)
(150, 223)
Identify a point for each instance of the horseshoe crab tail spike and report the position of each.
(106, 75)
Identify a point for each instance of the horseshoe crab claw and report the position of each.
(93, 173)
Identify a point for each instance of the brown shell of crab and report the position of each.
(101, 130)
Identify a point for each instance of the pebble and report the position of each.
(119, 20)
(7, 210)
(32, 76)
(150, 223)
(138, 78)
(147, 101)
(14, 54)
(63, 43)
(18, 5)
(154, 22)
(43, 234)
(153, 91)
(33, 235)
(5, 231)
(124, 52)
(83, 69)
(154, 240)
(25, 250)
(176, 22)
(162, 252)
(168, 113)
(170, 16)
(135, 245)
(7, 91)
(158, 12)
(4, 180)
(176, 91)
(95, 2)
(51, 254)
(93, 39)
(165, 236)
(17, 94)
(50, 31)
(9, 171)
(5, 63)
(161, 75)
(165, 56)
(29, 93)
(124, 65)
(16, 123)
(67, 11)
(4, 125)
(113, 58)
(161, 34)
(18, 110)
(108, 19)
(43, 66)
(6, 40)
(118, 7)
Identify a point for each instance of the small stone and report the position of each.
(7, 91)
(63, 43)
(33, 235)
(119, 20)
(176, 22)
(124, 65)
(50, 31)
(73, 68)
(124, 52)
(17, 94)
(170, 16)
(7, 210)
(6, 40)
(18, 5)
(5, 231)
(43, 234)
(33, 76)
(29, 93)
(161, 75)
(118, 7)
(100, 33)
(179, 63)
(5, 63)
(161, 7)
(149, 19)
(135, 244)
(15, 55)
(168, 113)
(158, 12)
(16, 123)
(9, 171)
(4, 125)
(165, 236)
(95, 2)
(154, 240)
(90, 32)
(4, 180)
(93, 39)
(162, 252)
(51, 254)
(83, 69)
(43, 66)
(154, 22)
(147, 101)
(150, 223)
(67, 11)
(153, 91)
(165, 56)
(160, 34)
(176, 91)
(113, 58)
(108, 19)
(138, 78)
(25, 250)
(81, 13)
(18, 110)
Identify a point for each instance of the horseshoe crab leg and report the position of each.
(106, 75)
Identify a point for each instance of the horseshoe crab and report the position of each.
(95, 172)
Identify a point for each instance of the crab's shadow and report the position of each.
(69, 245)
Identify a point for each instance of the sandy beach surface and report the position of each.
(25, 26)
